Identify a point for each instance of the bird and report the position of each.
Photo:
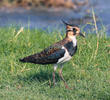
(58, 53)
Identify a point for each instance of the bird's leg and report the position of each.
(55, 67)
(54, 78)
(61, 76)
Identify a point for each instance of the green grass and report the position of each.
(88, 73)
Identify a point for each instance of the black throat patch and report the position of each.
(70, 48)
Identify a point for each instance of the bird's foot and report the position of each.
(67, 87)
(52, 84)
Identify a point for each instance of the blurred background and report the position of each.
(47, 14)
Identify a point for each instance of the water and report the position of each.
(45, 19)
(102, 10)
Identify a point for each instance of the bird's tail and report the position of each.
(23, 60)
(27, 59)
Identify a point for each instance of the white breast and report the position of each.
(66, 57)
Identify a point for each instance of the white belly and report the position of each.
(66, 57)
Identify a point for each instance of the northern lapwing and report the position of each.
(58, 53)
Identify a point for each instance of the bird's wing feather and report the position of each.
(49, 55)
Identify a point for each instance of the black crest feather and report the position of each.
(66, 23)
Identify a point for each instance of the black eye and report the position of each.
(74, 30)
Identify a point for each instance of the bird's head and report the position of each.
(72, 30)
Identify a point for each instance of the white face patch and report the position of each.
(66, 57)
(73, 38)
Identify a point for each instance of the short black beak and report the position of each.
(81, 34)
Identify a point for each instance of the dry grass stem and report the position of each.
(21, 30)
(94, 18)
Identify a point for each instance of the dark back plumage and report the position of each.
(51, 54)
